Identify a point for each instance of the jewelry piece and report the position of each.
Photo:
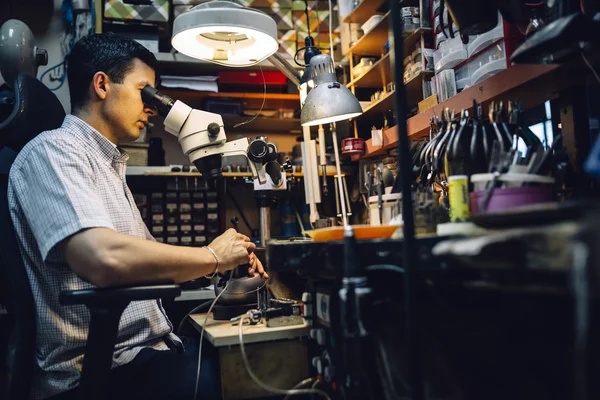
(217, 266)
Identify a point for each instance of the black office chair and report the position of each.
(35, 110)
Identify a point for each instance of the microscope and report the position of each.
(201, 135)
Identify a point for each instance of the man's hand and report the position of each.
(233, 249)
(256, 266)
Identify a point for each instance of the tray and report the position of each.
(361, 232)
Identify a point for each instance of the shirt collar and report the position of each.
(108, 149)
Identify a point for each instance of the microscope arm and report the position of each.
(237, 147)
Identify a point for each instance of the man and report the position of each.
(78, 227)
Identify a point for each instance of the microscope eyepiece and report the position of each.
(151, 97)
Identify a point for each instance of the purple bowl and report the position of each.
(506, 198)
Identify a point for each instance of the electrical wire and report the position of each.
(239, 209)
(318, 25)
(289, 392)
(263, 102)
(307, 17)
(82, 24)
(202, 337)
(205, 322)
(330, 33)
(587, 62)
(387, 267)
(305, 382)
(193, 311)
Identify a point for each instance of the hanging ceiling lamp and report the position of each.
(225, 33)
(328, 101)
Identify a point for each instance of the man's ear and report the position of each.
(101, 85)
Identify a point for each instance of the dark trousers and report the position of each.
(164, 375)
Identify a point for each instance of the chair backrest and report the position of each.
(36, 109)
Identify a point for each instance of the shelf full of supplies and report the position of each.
(533, 84)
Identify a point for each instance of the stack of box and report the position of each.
(484, 56)
(181, 215)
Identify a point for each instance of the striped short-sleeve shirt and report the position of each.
(63, 181)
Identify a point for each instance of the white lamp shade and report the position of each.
(225, 33)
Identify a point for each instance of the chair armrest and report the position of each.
(118, 294)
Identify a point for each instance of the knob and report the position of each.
(258, 150)
(319, 335)
(307, 311)
(185, 168)
(329, 373)
(314, 361)
(213, 130)
(319, 366)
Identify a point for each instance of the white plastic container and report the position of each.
(463, 77)
(450, 53)
(480, 42)
(391, 209)
(488, 63)
(371, 22)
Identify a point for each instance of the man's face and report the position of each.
(124, 110)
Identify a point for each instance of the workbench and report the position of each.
(278, 356)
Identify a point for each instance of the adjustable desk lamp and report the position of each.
(229, 34)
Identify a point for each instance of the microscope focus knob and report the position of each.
(258, 150)
(213, 130)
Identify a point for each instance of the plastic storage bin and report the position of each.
(488, 63)
(480, 42)
(450, 53)
(463, 77)
(371, 22)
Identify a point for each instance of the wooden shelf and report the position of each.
(363, 11)
(201, 66)
(250, 100)
(414, 94)
(411, 38)
(166, 172)
(371, 44)
(414, 89)
(225, 174)
(263, 125)
(385, 103)
(372, 77)
(533, 84)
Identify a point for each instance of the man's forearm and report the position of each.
(107, 258)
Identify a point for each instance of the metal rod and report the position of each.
(265, 225)
(338, 176)
(284, 66)
(409, 250)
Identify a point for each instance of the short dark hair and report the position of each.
(106, 52)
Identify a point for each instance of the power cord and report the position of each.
(587, 62)
(290, 392)
(202, 337)
(305, 382)
(263, 102)
(194, 310)
(204, 326)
